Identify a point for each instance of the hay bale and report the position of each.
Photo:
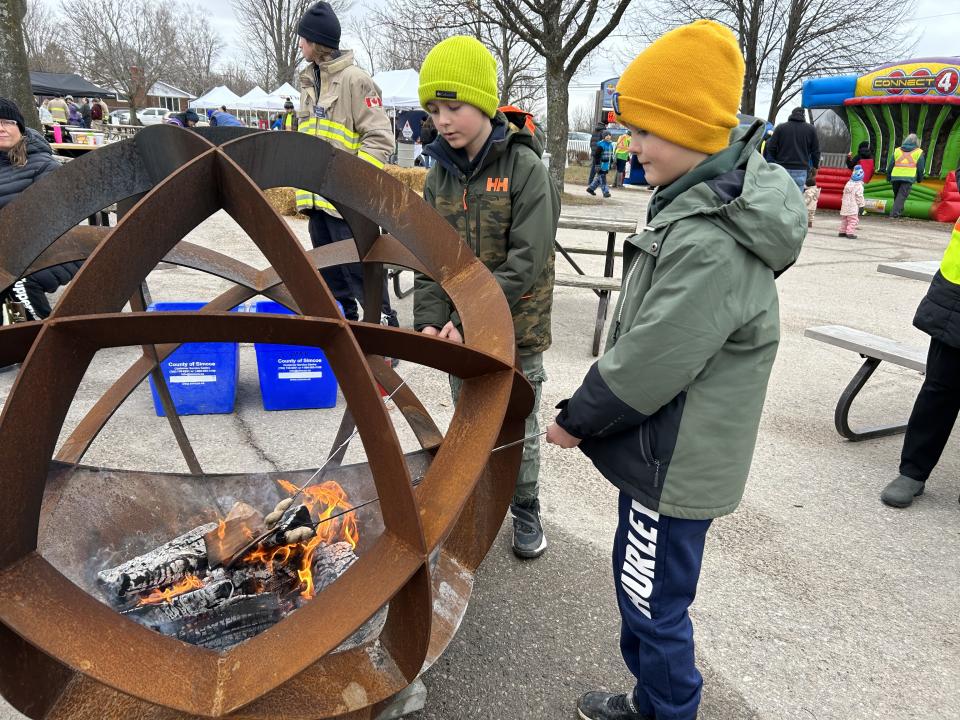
(413, 178)
(284, 201)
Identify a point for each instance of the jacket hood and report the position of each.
(797, 115)
(908, 146)
(756, 203)
(505, 134)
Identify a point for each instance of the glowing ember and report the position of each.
(188, 584)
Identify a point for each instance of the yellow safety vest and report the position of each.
(905, 164)
(288, 121)
(350, 105)
(950, 265)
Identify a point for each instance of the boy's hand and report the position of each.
(430, 330)
(556, 435)
(450, 332)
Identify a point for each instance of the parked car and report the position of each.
(578, 136)
(152, 115)
(120, 117)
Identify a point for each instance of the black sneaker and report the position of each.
(528, 539)
(591, 191)
(607, 706)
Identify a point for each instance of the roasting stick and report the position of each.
(419, 480)
(274, 518)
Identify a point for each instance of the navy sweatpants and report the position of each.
(656, 566)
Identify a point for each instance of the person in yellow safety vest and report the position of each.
(290, 120)
(935, 409)
(58, 108)
(341, 104)
(906, 168)
(621, 154)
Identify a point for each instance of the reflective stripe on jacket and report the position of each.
(341, 104)
(905, 164)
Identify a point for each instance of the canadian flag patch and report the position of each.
(373, 101)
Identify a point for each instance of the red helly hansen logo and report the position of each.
(498, 184)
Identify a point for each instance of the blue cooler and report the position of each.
(202, 377)
(293, 377)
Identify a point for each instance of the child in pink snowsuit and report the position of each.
(851, 204)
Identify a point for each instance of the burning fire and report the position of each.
(324, 501)
(330, 513)
(188, 584)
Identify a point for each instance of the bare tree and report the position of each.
(562, 33)
(124, 47)
(581, 118)
(403, 41)
(194, 69)
(270, 29)
(41, 35)
(14, 71)
(786, 41)
(237, 77)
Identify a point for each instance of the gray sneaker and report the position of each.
(528, 539)
(607, 706)
(901, 492)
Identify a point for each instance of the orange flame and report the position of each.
(188, 584)
(323, 501)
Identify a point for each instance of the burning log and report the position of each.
(184, 589)
(168, 564)
(211, 619)
(330, 562)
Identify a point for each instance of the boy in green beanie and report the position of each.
(489, 183)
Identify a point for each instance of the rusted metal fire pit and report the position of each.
(65, 652)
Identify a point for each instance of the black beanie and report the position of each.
(319, 24)
(191, 116)
(10, 111)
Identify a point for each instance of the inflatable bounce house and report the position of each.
(883, 107)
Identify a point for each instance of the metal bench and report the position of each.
(874, 350)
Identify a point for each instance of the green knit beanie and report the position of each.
(460, 68)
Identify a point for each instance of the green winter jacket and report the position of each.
(506, 211)
(670, 412)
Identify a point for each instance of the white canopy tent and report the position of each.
(220, 95)
(287, 91)
(400, 88)
(256, 99)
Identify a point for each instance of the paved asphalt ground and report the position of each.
(816, 601)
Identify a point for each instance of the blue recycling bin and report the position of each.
(293, 377)
(202, 377)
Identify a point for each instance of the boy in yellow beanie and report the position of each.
(670, 412)
(489, 183)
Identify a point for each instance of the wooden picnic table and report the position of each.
(914, 269)
(603, 286)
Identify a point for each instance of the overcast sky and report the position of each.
(937, 20)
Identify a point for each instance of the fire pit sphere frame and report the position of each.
(65, 654)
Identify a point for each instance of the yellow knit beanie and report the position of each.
(685, 87)
(460, 68)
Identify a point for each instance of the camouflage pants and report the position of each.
(528, 480)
